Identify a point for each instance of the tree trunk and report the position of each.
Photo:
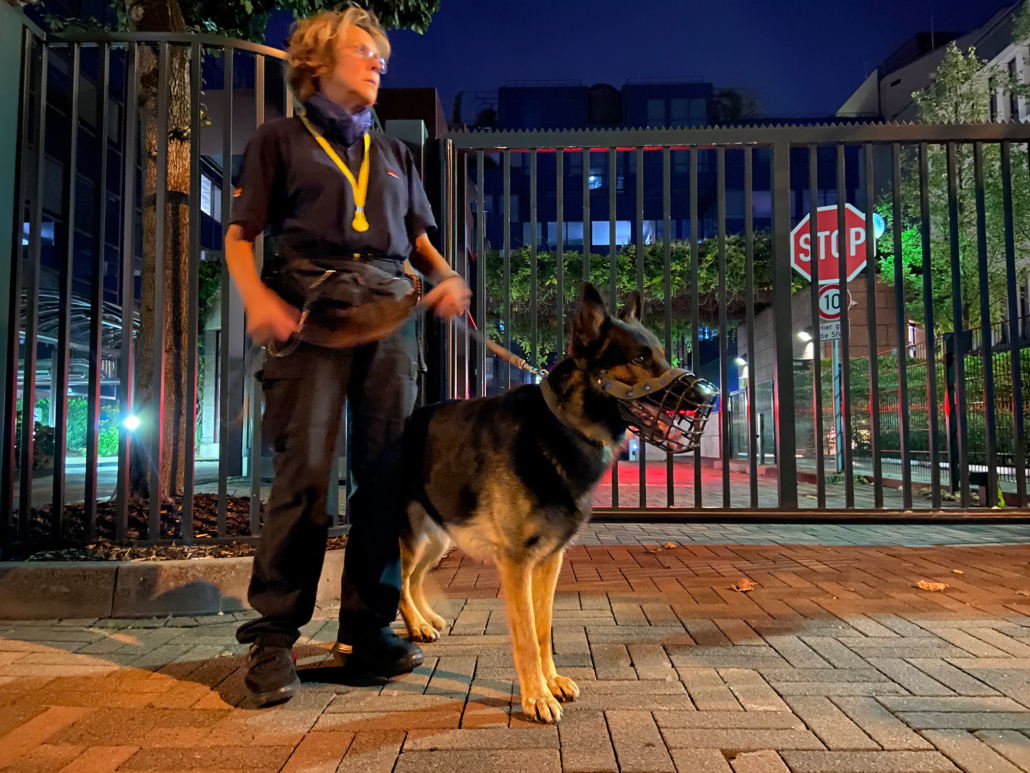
(173, 414)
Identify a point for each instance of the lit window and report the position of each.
(600, 231)
(679, 112)
(210, 198)
(656, 112)
(205, 194)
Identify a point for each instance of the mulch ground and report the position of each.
(71, 544)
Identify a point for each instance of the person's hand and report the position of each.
(449, 299)
(270, 318)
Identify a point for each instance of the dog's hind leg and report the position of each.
(545, 579)
(437, 545)
(517, 582)
(412, 550)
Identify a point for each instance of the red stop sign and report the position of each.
(829, 255)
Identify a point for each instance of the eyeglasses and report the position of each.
(370, 55)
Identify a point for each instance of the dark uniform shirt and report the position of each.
(291, 186)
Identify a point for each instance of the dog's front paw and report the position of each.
(436, 621)
(543, 709)
(563, 688)
(423, 632)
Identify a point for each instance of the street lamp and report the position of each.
(805, 336)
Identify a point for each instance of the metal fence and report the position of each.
(114, 129)
(723, 269)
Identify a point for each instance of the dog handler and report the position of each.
(373, 209)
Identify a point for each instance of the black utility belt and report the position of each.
(347, 302)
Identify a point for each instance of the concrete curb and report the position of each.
(35, 590)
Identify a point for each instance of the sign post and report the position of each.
(830, 279)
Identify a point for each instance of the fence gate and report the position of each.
(907, 404)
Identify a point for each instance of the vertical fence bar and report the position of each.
(845, 331)
(724, 365)
(28, 399)
(986, 345)
(749, 279)
(613, 280)
(507, 265)
(695, 305)
(255, 385)
(1019, 450)
(817, 345)
(128, 290)
(462, 383)
(899, 303)
(783, 346)
(586, 215)
(533, 295)
(226, 324)
(193, 294)
(480, 271)
(670, 477)
(874, 360)
(96, 320)
(931, 348)
(160, 256)
(958, 408)
(613, 259)
(449, 243)
(559, 163)
(10, 531)
(641, 445)
(64, 319)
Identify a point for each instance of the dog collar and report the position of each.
(551, 399)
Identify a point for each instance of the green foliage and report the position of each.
(210, 287)
(958, 93)
(681, 293)
(78, 420)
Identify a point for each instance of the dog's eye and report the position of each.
(640, 359)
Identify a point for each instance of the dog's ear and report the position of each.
(590, 316)
(633, 309)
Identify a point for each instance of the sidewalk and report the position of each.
(835, 663)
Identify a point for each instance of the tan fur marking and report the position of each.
(545, 580)
(418, 628)
(517, 582)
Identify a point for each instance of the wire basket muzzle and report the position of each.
(673, 417)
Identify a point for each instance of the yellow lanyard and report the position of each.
(360, 187)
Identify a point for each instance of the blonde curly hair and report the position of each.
(312, 46)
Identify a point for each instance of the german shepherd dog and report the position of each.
(511, 478)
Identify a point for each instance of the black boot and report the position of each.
(380, 652)
(271, 674)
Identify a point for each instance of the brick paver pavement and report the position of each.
(835, 663)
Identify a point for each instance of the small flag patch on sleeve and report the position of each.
(393, 174)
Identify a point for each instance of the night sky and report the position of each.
(801, 57)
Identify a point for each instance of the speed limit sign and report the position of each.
(829, 302)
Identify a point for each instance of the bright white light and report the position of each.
(805, 336)
(741, 361)
(132, 423)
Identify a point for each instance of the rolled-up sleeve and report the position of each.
(419, 218)
(253, 192)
